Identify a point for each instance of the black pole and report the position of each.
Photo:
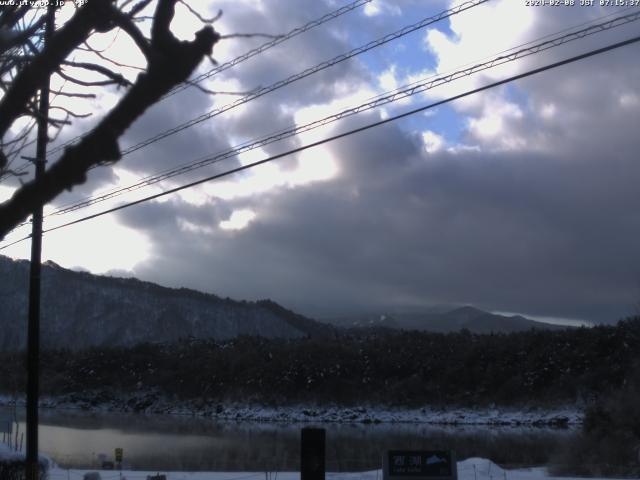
(312, 454)
(33, 331)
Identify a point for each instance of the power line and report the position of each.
(306, 73)
(26, 165)
(266, 46)
(18, 171)
(251, 53)
(398, 94)
(16, 242)
(592, 29)
(309, 71)
(386, 98)
(513, 78)
(302, 29)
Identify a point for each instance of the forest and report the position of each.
(393, 368)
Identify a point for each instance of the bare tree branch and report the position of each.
(160, 33)
(90, 48)
(171, 61)
(124, 4)
(73, 33)
(115, 77)
(70, 113)
(137, 8)
(196, 14)
(22, 142)
(99, 83)
(55, 122)
(23, 133)
(18, 38)
(12, 173)
(73, 94)
(127, 24)
(110, 60)
(12, 14)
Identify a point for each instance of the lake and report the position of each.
(76, 439)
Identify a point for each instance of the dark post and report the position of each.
(312, 454)
(33, 331)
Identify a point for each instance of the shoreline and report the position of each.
(150, 403)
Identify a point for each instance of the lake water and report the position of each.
(170, 442)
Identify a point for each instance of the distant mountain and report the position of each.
(80, 310)
(470, 318)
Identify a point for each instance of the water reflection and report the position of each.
(167, 442)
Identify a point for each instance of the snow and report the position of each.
(469, 469)
(454, 416)
(6, 453)
(498, 416)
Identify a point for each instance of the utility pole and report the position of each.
(33, 332)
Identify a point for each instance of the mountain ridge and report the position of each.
(81, 310)
(461, 318)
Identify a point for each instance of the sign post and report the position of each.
(312, 454)
(419, 465)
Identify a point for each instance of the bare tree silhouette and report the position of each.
(24, 61)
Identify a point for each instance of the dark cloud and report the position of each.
(546, 229)
(545, 225)
(168, 215)
(526, 232)
(225, 131)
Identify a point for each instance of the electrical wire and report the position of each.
(291, 34)
(513, 78)
(307, 72)
(303, 74)
(380, 100)
(250, 54)
(266, 46)
(312, 70)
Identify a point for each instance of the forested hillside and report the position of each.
(81, 310)
(394, 368)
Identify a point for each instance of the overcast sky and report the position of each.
(521, 199)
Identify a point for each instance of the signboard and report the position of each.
(118, 455)
(420, 464)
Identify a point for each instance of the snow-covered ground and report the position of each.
(469, 469)
(6, 453)
(454, 416)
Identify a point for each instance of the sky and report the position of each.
(520, 199)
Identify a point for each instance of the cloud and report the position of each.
(530, 221)
(432, 141)
(399, 226)
(529, 209)
(238, 220)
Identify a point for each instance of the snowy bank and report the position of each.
(469, 469)
(10, 456)
(154, 403)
